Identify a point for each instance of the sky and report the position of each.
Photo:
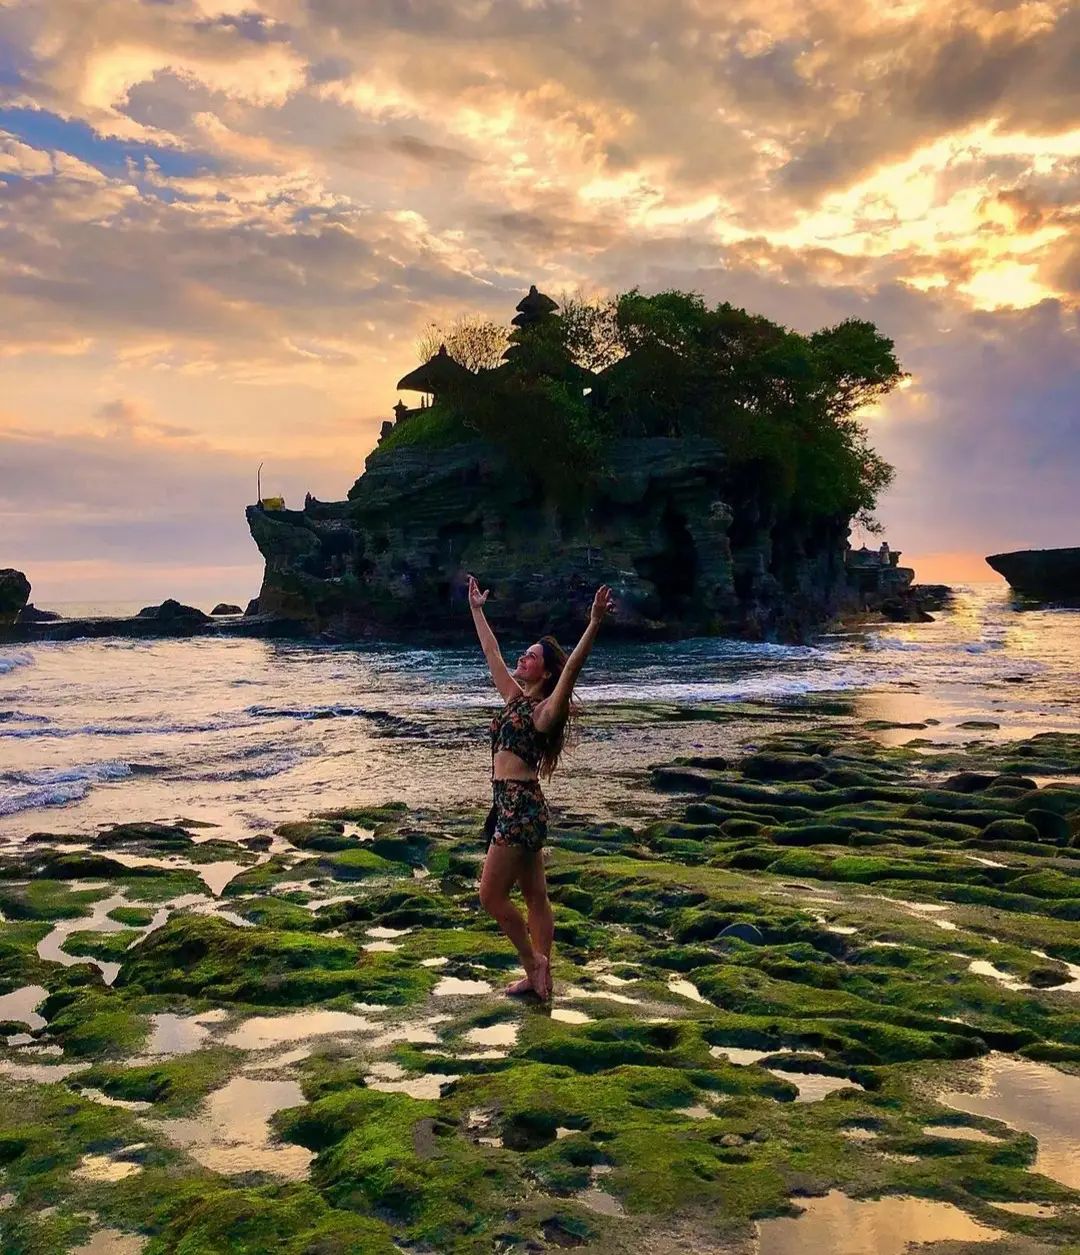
(224, 224)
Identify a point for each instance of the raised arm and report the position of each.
(506, 684)
(557, 705)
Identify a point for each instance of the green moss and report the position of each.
(102, 945)
(132, 916)
(175, 1086)
(47, 899)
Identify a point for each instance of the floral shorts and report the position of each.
(519, 815)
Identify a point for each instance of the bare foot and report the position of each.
(541, 978)
(523, 986)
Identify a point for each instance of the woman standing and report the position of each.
(527, 737)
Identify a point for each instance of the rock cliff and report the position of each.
(1044, 574)
(689, 547)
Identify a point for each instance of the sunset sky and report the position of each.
(223, 225)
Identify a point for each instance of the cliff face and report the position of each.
(1043, 574)
(688, 548)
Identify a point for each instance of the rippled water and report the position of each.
(244, 732)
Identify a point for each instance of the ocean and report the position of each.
(244, 733)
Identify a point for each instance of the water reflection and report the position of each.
(1036, 1099)
(885, 1226)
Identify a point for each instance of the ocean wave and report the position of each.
(8, 662)
(133, 728)
(57, 786)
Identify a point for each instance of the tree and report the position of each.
(590, 330)
(472, 341)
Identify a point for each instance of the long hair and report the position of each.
(562, 735)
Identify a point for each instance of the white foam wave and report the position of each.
(57, 786)
(8, 662)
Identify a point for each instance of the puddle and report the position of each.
(1041, 1211)
(391, 1078)
(111, 1242)
(179, 1034)
(232, 1134)
(41, 1073)
(387, 934)
(417, 1032)
(604, 994)
(215, 876)
(21, 1005)
(379, 947)
(983, 967)
(609, 978)
(686, 989)
(450, 985)
(50, 947)
(1034, 1098)
(283, 1060)
(262, 1032)
(104, 1168)
(126, 1104)
(887, 1226)
(504, 1034)
(743, 1055)
(439, 961)
(960, 1133)
(567, 1016)
(1071, 986)
(813, 1086)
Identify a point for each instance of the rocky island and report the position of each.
(1042, 574)
(706, 463)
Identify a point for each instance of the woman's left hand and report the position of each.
(603, 604)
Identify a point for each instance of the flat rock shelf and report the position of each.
(828, 1000)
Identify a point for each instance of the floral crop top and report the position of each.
(513, 729)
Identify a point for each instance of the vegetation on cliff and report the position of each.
(784, 406)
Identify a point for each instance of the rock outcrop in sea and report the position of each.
(703, 462)
(14, 594)
(1044, 574)
(687, 549)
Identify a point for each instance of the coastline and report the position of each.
(303, 1030)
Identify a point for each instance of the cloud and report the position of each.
(223, 222)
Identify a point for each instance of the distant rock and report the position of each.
(1044, 574)
(31, 614)
(252, 606)
(171, 610)
(223, 607)
(14, 594)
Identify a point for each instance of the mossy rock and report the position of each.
(358, 864)
(782, 767)
(316, 834)
(1010, 830)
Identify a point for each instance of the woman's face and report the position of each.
(530, 666)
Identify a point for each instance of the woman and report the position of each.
(527, 737)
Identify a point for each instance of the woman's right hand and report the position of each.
(476, 597)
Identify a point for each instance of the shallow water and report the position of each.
(231, 1134)
(242, 732)
(1034, 1098)
(262, 1032)
(840, 1225)
(21, 1005)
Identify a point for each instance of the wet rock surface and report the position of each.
(820, 978)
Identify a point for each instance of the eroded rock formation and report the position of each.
(689, 547)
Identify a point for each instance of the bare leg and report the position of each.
(533, 884)
(502, 869)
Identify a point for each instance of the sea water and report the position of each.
(243, 733)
